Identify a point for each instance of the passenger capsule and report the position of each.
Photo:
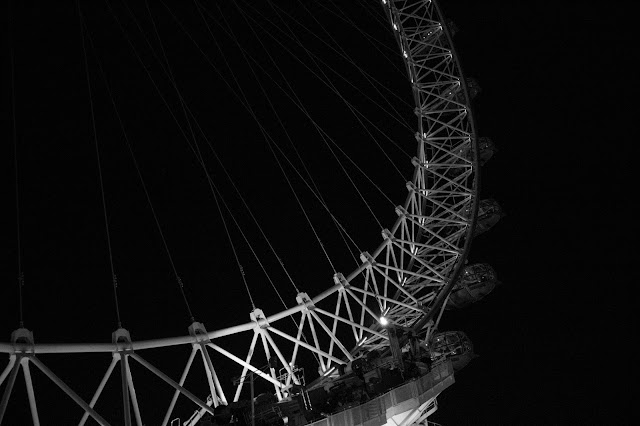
(473, 87)
(489, 213)
(452, 345)
(475, 282)
(486, 149)
(453, 28)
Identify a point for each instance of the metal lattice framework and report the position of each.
(405, 280)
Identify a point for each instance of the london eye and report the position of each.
(354, 341)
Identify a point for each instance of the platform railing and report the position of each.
(408, 396)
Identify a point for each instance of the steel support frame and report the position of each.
(425, 259)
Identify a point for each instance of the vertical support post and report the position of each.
(30, 393)
(170, 382)
(7, 391)
(7, 369)
(335, 325)
(364, 302)
(389, 250)
(236, 397)
(209, 370)
(216, 381)
(182, 380)
(125, 391)
(323, 367)
(362, 311)
(280, 357)
(62, 385)
(353, 328)
(214, 376)
(272, 371)
(114, 361)
(332, 336)
(364, 307)
(132, 392)
(297, 345)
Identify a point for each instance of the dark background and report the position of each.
(548, 353)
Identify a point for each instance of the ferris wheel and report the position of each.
(381, 313)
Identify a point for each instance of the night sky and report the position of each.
(539, 337)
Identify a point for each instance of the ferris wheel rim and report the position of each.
(395, 21)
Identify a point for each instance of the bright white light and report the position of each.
(384, 321)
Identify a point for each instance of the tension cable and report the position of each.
(15, 168)
(95, 138)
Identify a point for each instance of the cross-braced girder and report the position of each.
(406, 279)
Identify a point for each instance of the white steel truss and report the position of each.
(404, 281)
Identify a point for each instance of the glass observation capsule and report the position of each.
(486, 149)
(475, 282)
(452, 345)
(489, 213)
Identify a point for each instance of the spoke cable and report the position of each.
(248, 108)
(328, 138)
(15, 167)
(335, 156)
(298, 104)
(381, 20)
(293, 145)
(201, 131)
(114, 279)
(196, 150)
(139, 173)
(201, 159)
(326, 81)
(368, 77)
(328, 66)
(375, 42)
(167, 69)
(233, 248)
(195, 121)
(293, 191)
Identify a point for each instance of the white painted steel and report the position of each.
(407, 277)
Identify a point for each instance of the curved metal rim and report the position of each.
(12, 348)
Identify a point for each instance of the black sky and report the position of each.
(539, 336)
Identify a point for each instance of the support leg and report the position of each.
(272, 370)
(214, 376)
(284, 362)
(62, 385)
(30, 393)
(177, 392)
(170, 382)
(101, 386)
(7, 369)
(125, 392)
(132, 392)
(209, 370)
(245, 368)
(7, 391)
